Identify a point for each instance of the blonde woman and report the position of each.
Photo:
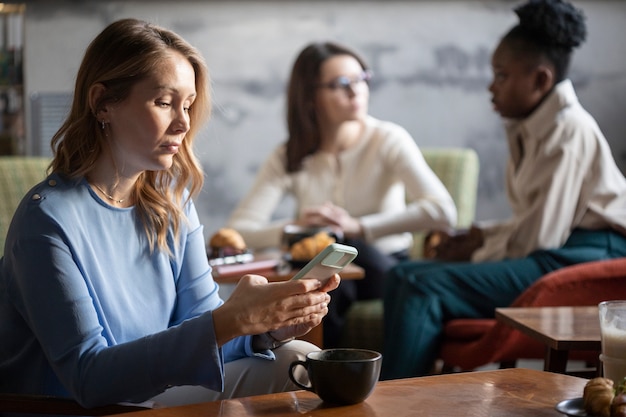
(106, 294)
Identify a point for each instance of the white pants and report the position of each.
(246, 377)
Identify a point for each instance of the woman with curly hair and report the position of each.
(567, 195)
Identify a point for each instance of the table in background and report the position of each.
(507, 392)
(274, 270)
(561, 329)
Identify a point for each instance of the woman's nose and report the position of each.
(181, 123)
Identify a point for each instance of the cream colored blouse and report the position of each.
(561, 175)
(372, 180)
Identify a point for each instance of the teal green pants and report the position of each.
(420, 297)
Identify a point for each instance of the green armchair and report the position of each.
(18, 174)
(458, 169)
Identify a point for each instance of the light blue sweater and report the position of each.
(87, 311)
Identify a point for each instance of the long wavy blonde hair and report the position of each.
(123, 54)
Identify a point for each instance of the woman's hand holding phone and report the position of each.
(327, 263)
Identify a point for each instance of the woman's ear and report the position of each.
(544, 79)
(96, 92)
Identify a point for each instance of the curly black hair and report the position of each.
(550, 28)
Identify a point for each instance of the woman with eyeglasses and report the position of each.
(347, 171)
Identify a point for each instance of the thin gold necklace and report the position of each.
(109, 196)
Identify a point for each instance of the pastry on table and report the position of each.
(306, 249)
(598, 397)
(601, 398)
(226, 242)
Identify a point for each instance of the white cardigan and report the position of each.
(372, 180)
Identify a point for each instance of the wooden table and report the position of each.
(274, 270)
(501, 393)
(561, 329)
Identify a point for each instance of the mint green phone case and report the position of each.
(328, 262)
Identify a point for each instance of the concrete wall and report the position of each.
(430, 58)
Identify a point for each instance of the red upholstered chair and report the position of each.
(471, 343)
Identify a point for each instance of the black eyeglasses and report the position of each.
(348, 83)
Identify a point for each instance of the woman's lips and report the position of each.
(171, 147)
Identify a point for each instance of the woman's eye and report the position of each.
(162, 104)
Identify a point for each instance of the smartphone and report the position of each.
(328, 262)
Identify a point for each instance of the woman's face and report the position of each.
(516, 89)
(343, 91)
(148, 127)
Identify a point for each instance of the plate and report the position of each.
(294, 264)
(573, 408)
(240, 258)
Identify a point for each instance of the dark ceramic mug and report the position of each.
(340, 376)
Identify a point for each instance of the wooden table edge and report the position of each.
(580, 344)
(518, 377)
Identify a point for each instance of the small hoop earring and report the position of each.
(103, 124)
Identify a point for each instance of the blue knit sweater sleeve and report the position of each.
(90, 312)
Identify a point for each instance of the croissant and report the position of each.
(227, 238)
(226, 242)
(598, 396)
(307, 248)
